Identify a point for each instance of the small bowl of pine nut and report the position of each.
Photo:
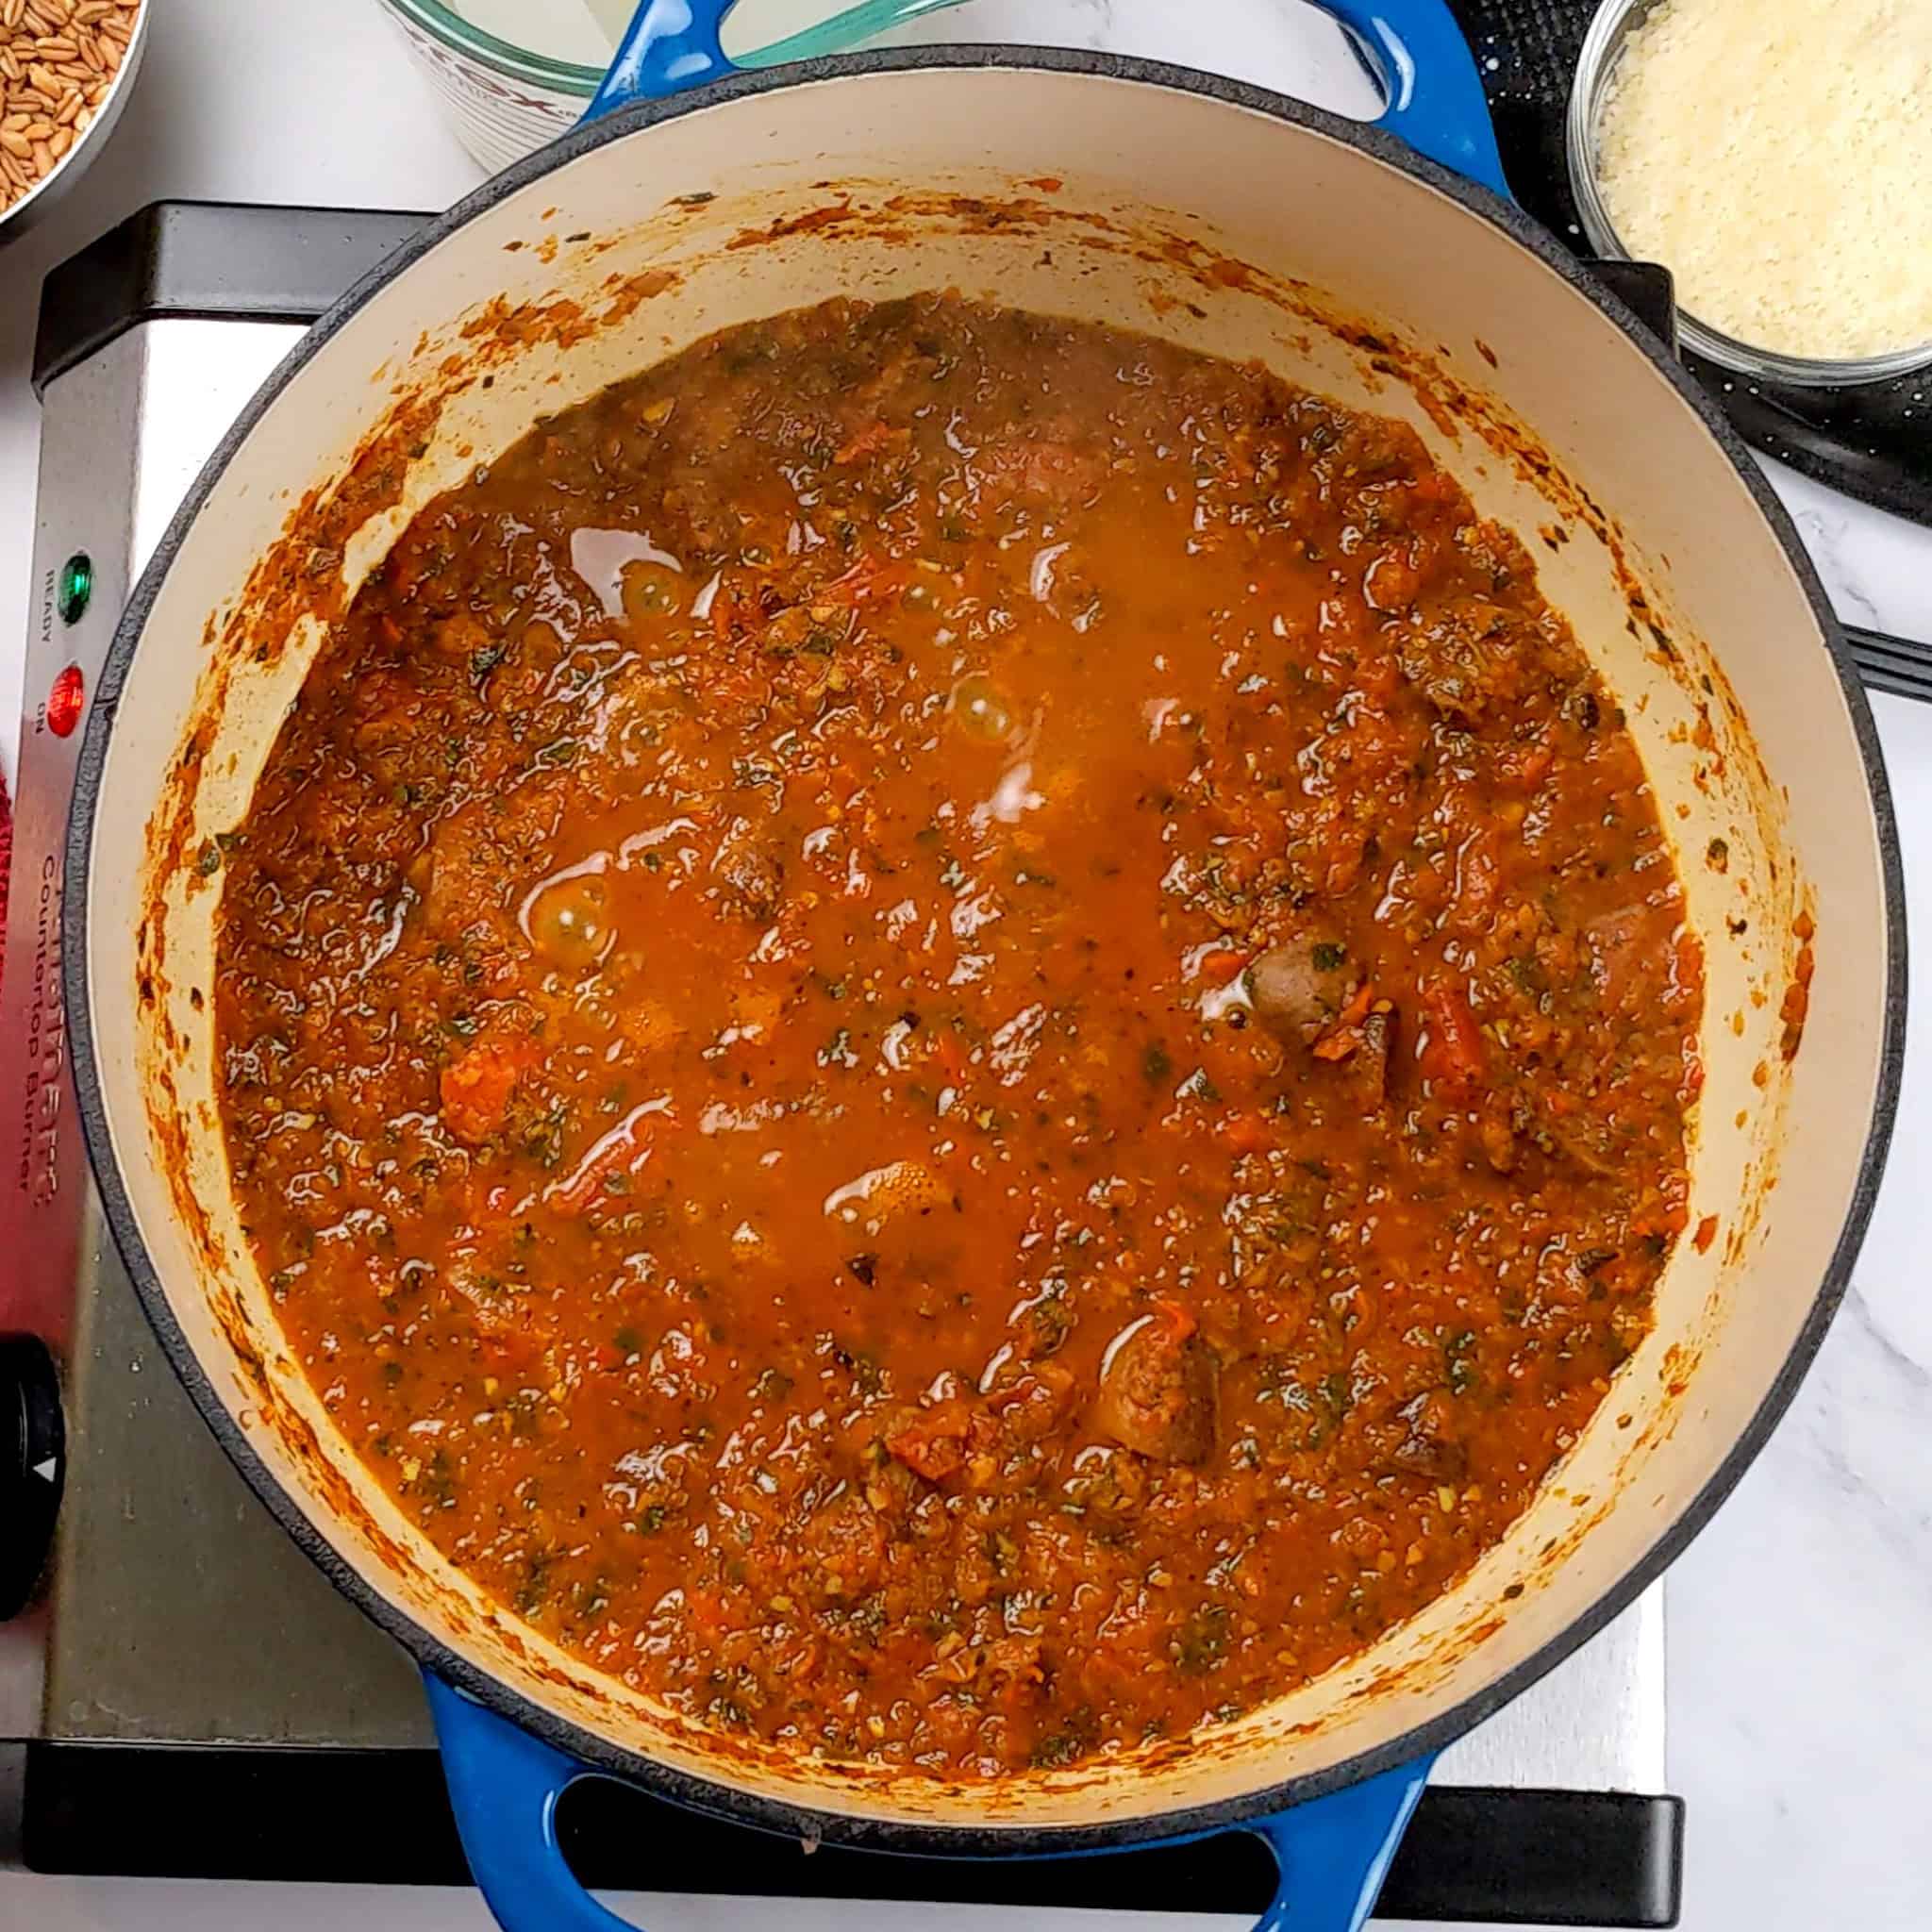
(66, 67)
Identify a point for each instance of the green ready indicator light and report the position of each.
(76, 586)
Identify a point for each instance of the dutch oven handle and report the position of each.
(1333, 1852)
(1435, 101)
(504, 1785)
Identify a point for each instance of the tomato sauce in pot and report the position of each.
(959, 1038)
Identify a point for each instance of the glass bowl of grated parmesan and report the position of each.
(1773, 155)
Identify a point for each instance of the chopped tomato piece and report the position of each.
(1453, 1057)
(507, 1348)
(1343, 1037)
(933, 1444)
(870, 441)
(1527, 767)
(731, 611)
(476, 1088)
(870, 578)
(620, 1153)
(1217, 969)
(1246, 1133)
(950, 1050)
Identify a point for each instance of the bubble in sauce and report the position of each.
(568, 920)
(980, 710)
(884, 1194)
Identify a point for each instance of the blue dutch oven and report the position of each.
(1390, 268)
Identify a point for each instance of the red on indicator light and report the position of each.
(64, 702)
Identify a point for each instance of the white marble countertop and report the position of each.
(1800, 1679)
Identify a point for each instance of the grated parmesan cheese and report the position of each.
(1777, 156)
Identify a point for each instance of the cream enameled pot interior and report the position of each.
(1105, 165)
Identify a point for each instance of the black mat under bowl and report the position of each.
(1869, 440)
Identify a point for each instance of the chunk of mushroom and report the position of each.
(1297, 990)
(1159, 1389)
(1430, 1446)
(1368, 1067)
(751, 870)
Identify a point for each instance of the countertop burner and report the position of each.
(185, 1695)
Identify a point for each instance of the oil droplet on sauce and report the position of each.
(981, 711)
(601, 556)
(567, 917)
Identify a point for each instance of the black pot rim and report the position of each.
(718, 1797)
